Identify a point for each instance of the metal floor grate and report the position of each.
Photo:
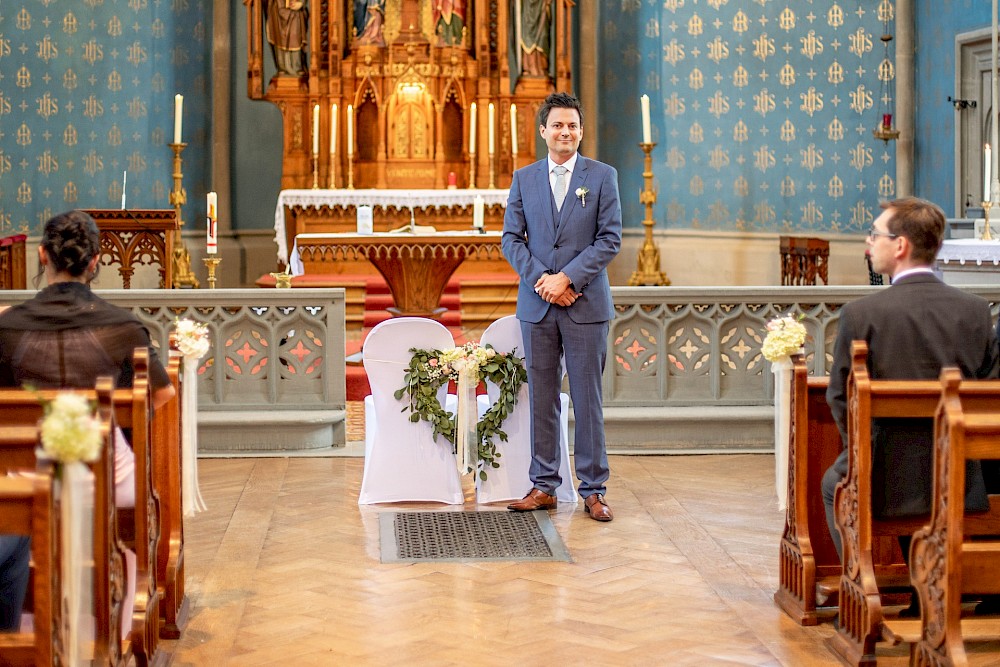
(469, 536)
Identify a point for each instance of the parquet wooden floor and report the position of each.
(283, 569)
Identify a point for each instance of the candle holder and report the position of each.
(648, 269)
(493, 170)
(333, 171)
(181, 259)
(282, 280)
(513, 161)
(212, 264)
(350, 171)
(987, 235)
(315, 170)
(472, 171)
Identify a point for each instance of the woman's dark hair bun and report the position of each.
(71, 240)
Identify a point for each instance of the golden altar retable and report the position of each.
(416, 267)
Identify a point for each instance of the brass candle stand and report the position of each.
(493, 170)
(648, 269)
(315, 169)
(350, 171)
(182, 274)
(212, 263)
(987, 235)
(472, 171)
(333, 171)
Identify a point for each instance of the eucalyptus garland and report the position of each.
(430, 369)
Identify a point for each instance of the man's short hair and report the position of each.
(921, 222)
(561, 101)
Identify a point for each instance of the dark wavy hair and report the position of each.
(71, 240)
(560, 101)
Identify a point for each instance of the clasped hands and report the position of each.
(555, 288)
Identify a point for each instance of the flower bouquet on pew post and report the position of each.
(468, 365)
(71, 436)
(192, 340)
(785, 336)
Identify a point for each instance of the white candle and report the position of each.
(478, 213)
(513, 129)
(647, 132)
(212, 202)
(987, 168)
(333, 130)
(315, 129)
(350, 129)
(178, 114)
(472, 129)
(491, 143)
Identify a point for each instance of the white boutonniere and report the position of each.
(582, 194)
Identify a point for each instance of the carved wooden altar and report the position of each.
(137, 237)
(402, 76)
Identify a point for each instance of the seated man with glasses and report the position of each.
(913, 328)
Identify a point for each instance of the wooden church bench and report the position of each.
(945, 562)
(860, 604)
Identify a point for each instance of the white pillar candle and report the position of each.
(178, 114)
(987, 167)
(350, 129)
(333, 130)
(212, 202)
(491, 143)
(472, 129)
(513, 129)
(647, 132)
(478, 212)
(315, 129)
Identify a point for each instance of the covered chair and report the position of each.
(403, 460)
(510, 481)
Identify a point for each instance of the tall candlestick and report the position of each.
(315, 129)
(987, 168)
(491, 143)
(350, 129)
(647, 132)
(178, 114)
(472, 129)
(211, 223)
(513, 129)
(333, 130)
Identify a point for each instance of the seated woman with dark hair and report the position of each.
(67, 337)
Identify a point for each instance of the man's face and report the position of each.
(562, 133)
(882, 245)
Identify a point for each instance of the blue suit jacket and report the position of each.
(581, 241)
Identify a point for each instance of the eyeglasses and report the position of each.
(874, 234)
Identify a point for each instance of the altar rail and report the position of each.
(274, 377)
(685, 372)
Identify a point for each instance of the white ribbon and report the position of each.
(466, 442)
(76, 500)
(782, 427)
(190, 492)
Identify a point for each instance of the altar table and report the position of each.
(416, 267)
(969, 262)
(335, 211)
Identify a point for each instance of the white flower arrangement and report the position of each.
(192, 338)
(70, 430)
(582, 194)
(785, 336)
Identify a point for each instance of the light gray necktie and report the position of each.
(560, 189)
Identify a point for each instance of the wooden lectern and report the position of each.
(137, 237)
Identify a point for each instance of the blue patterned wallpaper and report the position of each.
(763, 111)
(86, 92)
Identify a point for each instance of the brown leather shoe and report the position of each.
(535, 500)
(597, 508)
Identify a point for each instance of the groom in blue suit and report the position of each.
(562, 227)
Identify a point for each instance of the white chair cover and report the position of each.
(403, 461)
(510, 481)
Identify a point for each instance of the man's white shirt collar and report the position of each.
(912, 272)
(570, 164)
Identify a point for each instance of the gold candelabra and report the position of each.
(648, 266)
(472, 170)
(987, 236)
(183, 276)
(315, 168)
(212, 263)
(493, 170)
(350, 171)
(333, 171)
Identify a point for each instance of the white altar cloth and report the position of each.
(398, 199)
(969, 262)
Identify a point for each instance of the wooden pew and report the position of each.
(18, 408)
(945, 562)
(166, 464)
(808, 567)
(27, 508)
(132, 412)
(860, 605)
